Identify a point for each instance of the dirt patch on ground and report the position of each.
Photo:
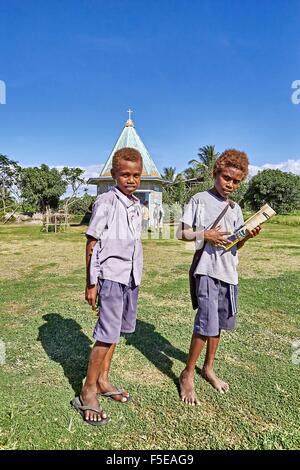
(64, 257)
(261, 260)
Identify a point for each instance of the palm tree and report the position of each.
(169, 174)
(207, 158)
(191, 172)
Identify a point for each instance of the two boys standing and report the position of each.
(114, 268)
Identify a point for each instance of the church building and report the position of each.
(151, 181)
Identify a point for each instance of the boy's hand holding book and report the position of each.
(254, 232)
(215, 237)
(251, 234)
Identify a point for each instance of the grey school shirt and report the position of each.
(116, 224)
(200, 214)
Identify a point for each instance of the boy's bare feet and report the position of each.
(213, 379)
(88, 398)
(187, 388)
(103, 386)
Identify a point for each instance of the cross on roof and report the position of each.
(129, 113)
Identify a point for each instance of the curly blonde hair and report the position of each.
(128, 154)
(232, 158)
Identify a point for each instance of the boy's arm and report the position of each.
(186, 233)
(91, 289)
(213, 236)
(253, 233)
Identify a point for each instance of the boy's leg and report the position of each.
(89, 391)
(186, 379)
(227, 299)
(113, 302)
(127, 326)
(103, 384)
(207, 371)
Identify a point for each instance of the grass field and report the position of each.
(46, 327)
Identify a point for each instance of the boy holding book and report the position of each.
(209, 218)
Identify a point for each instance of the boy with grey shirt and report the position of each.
(215, 273)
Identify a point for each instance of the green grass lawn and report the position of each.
(47, 327)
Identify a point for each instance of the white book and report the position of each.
(261, 216)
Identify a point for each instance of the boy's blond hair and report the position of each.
(232, 158)
(127, 154)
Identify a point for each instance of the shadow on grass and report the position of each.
(157, 349)
(65, 343)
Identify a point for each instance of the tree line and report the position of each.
(36, 189)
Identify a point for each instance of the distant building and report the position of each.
(151, 181)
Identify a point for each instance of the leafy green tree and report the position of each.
(280, 190)
(42, 187)
(9, 181)
(239, 194)
(73, 178)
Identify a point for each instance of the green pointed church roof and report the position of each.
(130, 138)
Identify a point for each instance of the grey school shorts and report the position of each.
(217, 302)
(117, 310)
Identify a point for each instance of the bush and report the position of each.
(280, 190)
(79, 205)
(239, 195)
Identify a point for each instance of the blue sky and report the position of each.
(194, 73)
